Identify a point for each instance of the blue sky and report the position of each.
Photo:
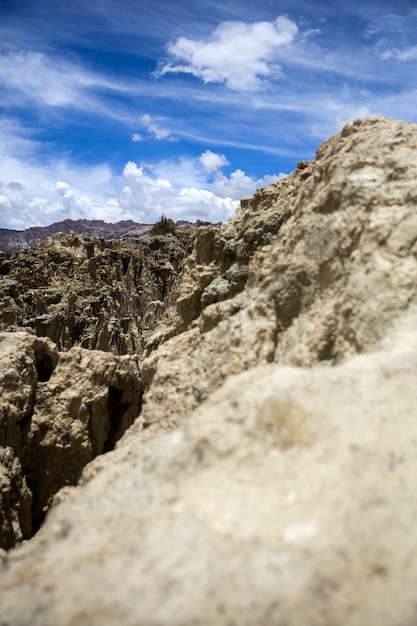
(128, 109)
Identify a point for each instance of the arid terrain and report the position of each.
(218, 426)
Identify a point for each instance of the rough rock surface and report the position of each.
(288, 498)
(284, 492)
(312, 269)
(57, 412)
(86, 291)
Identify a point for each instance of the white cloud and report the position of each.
(240, 185)
(211, 161)
(407, 54)
(33, 194)
(148, 197)
(143, 198)
(33, 191)
(136, 137)
(311, 32)
(238, 54)
(62, 189)
(52, 82)
(185, 171)
(19, 209)
(154, 129)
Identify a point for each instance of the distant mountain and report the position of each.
(13, 240)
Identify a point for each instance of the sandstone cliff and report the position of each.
(283, 490)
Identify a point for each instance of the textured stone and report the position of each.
(270, 477)
(287, 498)
(317, 266)
(90, 292)
(57, 412)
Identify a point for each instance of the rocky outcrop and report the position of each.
(311, 270)
(286, 498)
(57, 412)
(97, 294)
(284, 373)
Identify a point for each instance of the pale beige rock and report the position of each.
(23, 361)
(57, 412)
(90, 401)
(289, 497)
(312, 269)
(284, 492)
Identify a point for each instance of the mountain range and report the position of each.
(13, 240)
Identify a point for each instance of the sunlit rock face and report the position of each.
(270, 474)
(58, 411)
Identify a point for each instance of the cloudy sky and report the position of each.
(126, 110)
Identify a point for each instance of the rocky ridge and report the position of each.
(14, 240)
(312, 270)
(86, 291)
(269, 476)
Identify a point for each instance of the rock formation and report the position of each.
(313, 269)
(58, 411)
(14, 240)
(270, 475)
(97, 294)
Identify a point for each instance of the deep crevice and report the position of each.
(121, 414)
(117, 410)
(37, 519)
(44, 367)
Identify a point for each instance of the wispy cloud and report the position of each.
(49, 81)
(155, 129)
(406, 54)
(238, 54)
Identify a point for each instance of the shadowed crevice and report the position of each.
(44, 367)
